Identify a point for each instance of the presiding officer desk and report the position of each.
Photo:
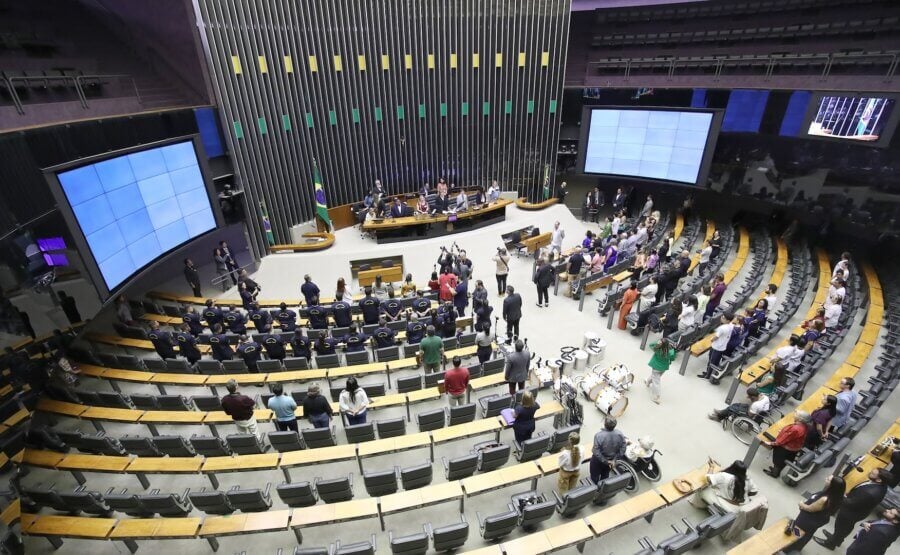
(391, 230)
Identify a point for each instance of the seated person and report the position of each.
(397, 208)
(462, 201)
(728, 490)
(757, 405)
(422, 205)
(480, 198)
(493, 193)
(441, 205)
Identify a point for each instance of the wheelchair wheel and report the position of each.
(621, 467)
(651, 471)
(744, 429)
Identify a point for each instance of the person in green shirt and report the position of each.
(772, 379)
(432, 348)
(663, 355)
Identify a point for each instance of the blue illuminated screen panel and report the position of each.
(134, 208)
(654, 144)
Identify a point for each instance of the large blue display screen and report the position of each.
(136, 207)
(655, 144)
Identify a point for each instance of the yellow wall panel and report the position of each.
(407, 61)
(453, 61)
(545, 59)
(263, 64)
(338, 63)
(313, 64)
(521, 59)
(288, 64)
(431, 61)
(385, 62)
(236, 65)
(361, 62)
(476, 59)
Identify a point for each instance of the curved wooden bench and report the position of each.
(327, 241)
(522, 202)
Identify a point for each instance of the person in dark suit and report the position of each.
(318, 318)
(69, 309)
(235, 321)
(543, 278)
(162, 341)
(187, 344)
(512, 311)
(440, 205)
(397, 208)
(230, 262)
(249, 351)
(212, 314)
(875, 536)
(301, 345)
(860, 501)
(274, 346)
(619, 201)
(192, 276)
(262, 319)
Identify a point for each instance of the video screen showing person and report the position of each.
(850, 117)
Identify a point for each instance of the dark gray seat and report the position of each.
(492, 458)
(533, 448)
(374, 389)
(560, 437)
(140, 446)
(449, 537)
(608, 488)
(128, 504)
(144, 402)
(173, 402)
(207, 403)
(467, 339)
(174, 446)
(114, 399)
(246, 444)
(575, 499)
(250, 500)
(300, 494)
(102, 445)
(264, 366)
(285, 441)
(156, 365)
(498, 526)
(494, 366)
(383, 482)
(318, 437)
(493, 405)
(392, 427)
(432, 378)
(90, 502)
(177, 365)
(386, 354)
(431, 420)
(327, 361)
(211, 502)
(91, 398)
(715, 525)
(209, 366)
(359, 433)
(168, 505)
(416, 476)
(46, 497)
(412, 544)
(336, 489)
(210, 446)
(450, 343)
(409, 383)
(460, 467)
(296, 363)
(460, 414)
(358, 548)
(533, 508)
(357, 357)
(234, 366)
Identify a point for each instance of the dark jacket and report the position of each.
(863, 499)
(341, 312)
(517, 366)
(192, 275)
(238, 406)
(162, 342)
(309, 290)
(512, 307)
(316, 404)
(543, 277)
(876, 540)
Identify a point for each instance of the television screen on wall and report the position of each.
(859, 118)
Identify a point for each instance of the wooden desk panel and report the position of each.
(332, 513)
(469, 429)
(172, 417)
(532, 544)
(93, 528)
(306, 457)
(219, 417)
(166, 465)
(893, 431)
(11, 513)
(500, 478)
(41, 458)
(113, 415)
(94, 463)
(61, 407)
(241, 462)
(388, 275)
(156, 528)
(394, 444)
(771, 540)
(571, 533)
(696, 477)
(245, 523)
(412, 221)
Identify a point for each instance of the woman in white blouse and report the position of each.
(688, 313)
(354, 402)
(569, 461)
(730, 488)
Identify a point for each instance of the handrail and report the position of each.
(76, 79)
(522, 202)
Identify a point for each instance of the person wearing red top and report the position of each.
(789, 442)
(456, 381)
(448, 283)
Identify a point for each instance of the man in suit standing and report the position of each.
(512, 312)
(543, 278)
(192, 275)
(619, 201)
(516, 370)
(861, 501)
(875, 536)
(230, 262)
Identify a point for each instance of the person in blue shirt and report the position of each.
(340, 310)
(274, 347)
(192, 319)
(287, 319)
(249, 350)
(235, 321)
(300, 344)
(461, 297)
(421, 305)
(187, 344)
(162, 341)
(415, 330)
(221, 350)
(318, 318)
(391, 307)
(212, 314)
(261, 319)
(370, 307)
(283, 406)
(355, 340)
(383, 335)
(309, 290)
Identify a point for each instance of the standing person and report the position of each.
(515, 371)
(569, 460)
(162, 341)
(663, 356)
(523, 425)
(246, 295)
(317, 408)
(484, 343)
(309, 290)
(192, 276)
(250, 352)
(187, 344)
(628, 299)
(705, 254)
(715, 297)
(609, 446)
(789, 442)
(461, 297)
(67, 303)
(619, 200)
(354, 402)
(648, 207)
(123, 311)
(340, 289)
(218, 342)
(716, 243)
(456, 382)
(221, 266)
(448, 281)
(543, 278)
(846, 400)
(300, 345)
(340, 311)
(287, 319)
(479, 295)
(859, 503)
(230, 261)
(843, 266)
(648, 293)
(432, 350)
(876, 536)
(408, 288)
(556, 238)
(502, 270)
(512, 312)
(283, 406)
(688, 317)
(240, 408)
(370, 308)
(815, 512)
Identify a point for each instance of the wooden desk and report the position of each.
(332, 513)
(11, 513)
(165, 465)
(626, 511)
(61, 407)
(305, 457)
(696, 477)
(893, 431)
(500, 478)
(413, 499)
(93, 463)
(240, 463)
(469, 429)
(92, 528)
(522, 202)
(532, 244)
(412, 221)
(129, 416)
(324, 241)
(679, 227)
(769, 541)
(156, 528)
(41, 458)
(245, 523)
(394, 444)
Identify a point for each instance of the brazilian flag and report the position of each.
(321, 202)
(546, 181)
(267, 226)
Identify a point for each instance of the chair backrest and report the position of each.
(144, 402)
(285, 441)
(680, 543)
(392, 427)
(383, 482)
(85, 501)
(461, 414)
(103, 445)
(357, 357)
(210, 446)
(609, 487)
(172, 402)
(461, 467)
(493, 457)
(250, 500)
(166, 505)
(535, 513)
(467, 339)
(534, 394)
(409, 383)
(174, 446)
(499, 526)
(155, 365)
(300, 494)
(296, 363)
(335, 490)
(177, 365)
(494, 405)
(88, 398)
(207, 403)
(433, 378)
(416, 476)
(374, 389)
(359, 433)
(358, 548)
(450, 343)
(494, 366)
(412, 544)
(715, 525)
(475, 371)
(576, 499)
(431, 420)
(108, 359)
(318, 437)
(269, 365)
(234, 366)
(46, 498)
(560, 437)
(140, 446)
(207, 366)
(128, 504)
(211, 502)
(533, 448)
(452, 536)
(245, 444)
(385, 354)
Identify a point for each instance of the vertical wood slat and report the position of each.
(469, 149)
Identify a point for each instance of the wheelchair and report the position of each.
(745, 428)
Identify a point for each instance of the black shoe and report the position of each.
(827, 534)
(824, 543)
(702, 376)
